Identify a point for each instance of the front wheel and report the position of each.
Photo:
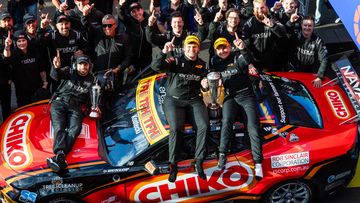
(289, 192)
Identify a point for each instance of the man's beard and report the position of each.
(8, 28)
(261, 16)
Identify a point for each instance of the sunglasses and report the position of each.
(107, 25)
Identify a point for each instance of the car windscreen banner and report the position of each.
(349, 13)
(148, 98)
(350, 81)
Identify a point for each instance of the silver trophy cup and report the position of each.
(95, 100)
(214, 107)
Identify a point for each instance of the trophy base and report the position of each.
(94, 114)
(214, 111)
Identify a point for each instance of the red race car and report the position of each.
(310, 148)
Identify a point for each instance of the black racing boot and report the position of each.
(222, 161)
(52, 163)
(199, 169)
(61, 159)
(173, 172)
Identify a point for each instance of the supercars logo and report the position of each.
(15, 147)
(238, 177)
(337, 104)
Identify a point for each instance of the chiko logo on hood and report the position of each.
(237, 176)
(15, 149)
(337, 104)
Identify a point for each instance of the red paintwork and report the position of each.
(322, 144)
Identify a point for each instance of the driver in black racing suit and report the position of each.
(183, 97)
(66, 109)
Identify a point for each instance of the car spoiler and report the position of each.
(350, 82)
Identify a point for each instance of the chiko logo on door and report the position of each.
(237, 176)
(337, 104)
(15, 149)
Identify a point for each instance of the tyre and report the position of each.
(61, 200)
(289, 192)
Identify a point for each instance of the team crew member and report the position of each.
(136, 21)
(227, 29)
(238, 95)
(309, 53)
(6, 28)
(183, 96)
(177, 23)
(82, 8)
(66, 109)
(260, 33)
(28, 72)
(112, 50)
(68, 41)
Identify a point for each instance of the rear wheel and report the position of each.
(289, 192)
(63, 199)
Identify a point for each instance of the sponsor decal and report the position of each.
(267, 128)
(287, 160)
(352, 80)
(27, 196)
(334, 185)
(280, 103)
(237, 177)
(295, 169)
(116, 170)
(84, 134)
(274, 131)
(59, 186)
(162, 92)
(294, 138)
(15, 146)
(136, 124)
(198, 66)
(147, 114)
(337, 104)
(332, 178)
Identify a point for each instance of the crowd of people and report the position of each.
(59, 55)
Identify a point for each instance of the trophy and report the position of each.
(214, 107)
(95, 100)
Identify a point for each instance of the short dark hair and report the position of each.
(176, 14)
(309, 17)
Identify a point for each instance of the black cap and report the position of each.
(4, 15)
(82, 58)
(62, 18)
(134, 6)
(28, 17)
(19, 34)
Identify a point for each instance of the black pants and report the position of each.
(66, 120)
(232, 106)
(175, 111)
(5, 98)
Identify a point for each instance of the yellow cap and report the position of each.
(192, 39)
(221, 41)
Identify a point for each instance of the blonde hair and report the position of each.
(259, 1)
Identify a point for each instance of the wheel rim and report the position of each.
(291, 193)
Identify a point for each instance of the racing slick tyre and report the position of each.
(289, 192)
(60, 199)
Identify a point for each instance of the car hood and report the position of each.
(27, 140)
